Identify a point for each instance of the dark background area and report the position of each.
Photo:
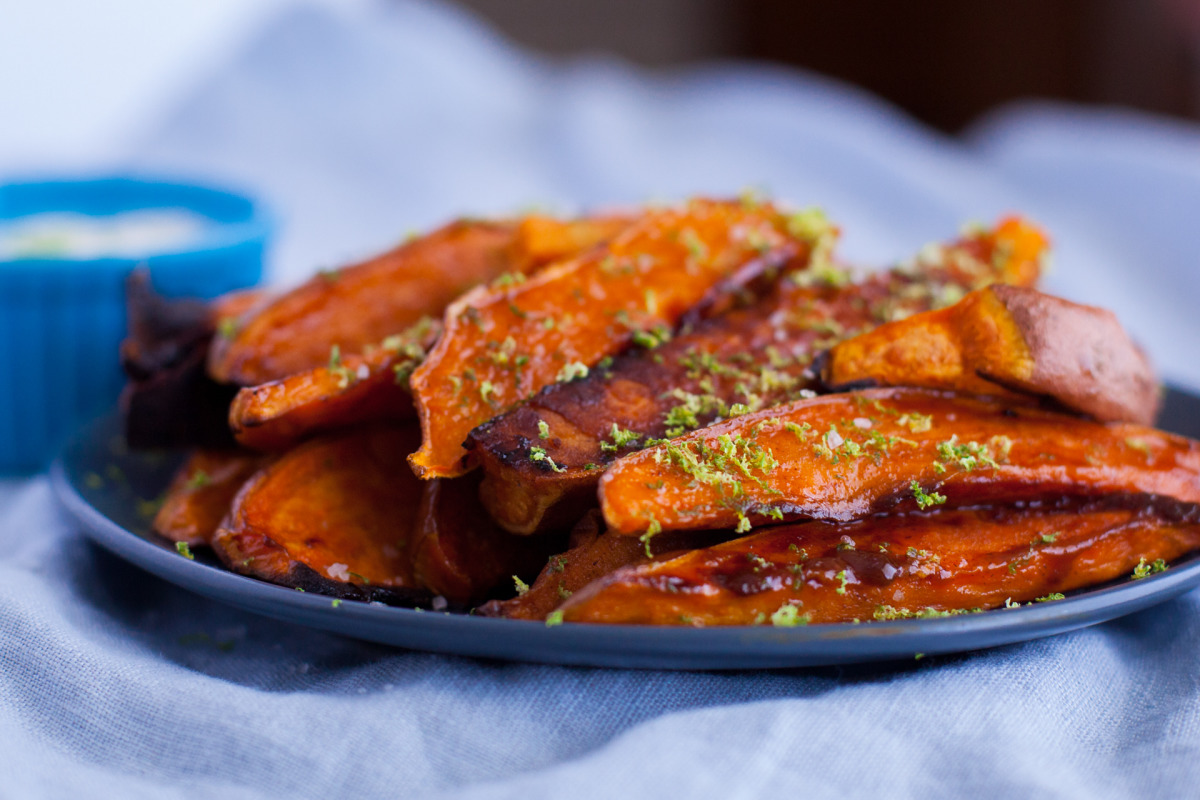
(944, 61)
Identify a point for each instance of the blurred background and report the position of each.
(75, 75)
(944, 61)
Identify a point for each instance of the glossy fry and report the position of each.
(460, 554)
(542, 240)
(333, 516)
(758, 356)
(895, 567)
(593, 555)
(201, 493)
(502, 345)
(1008, 340)
(356, 388)
(360, 305)
(843, 457)
(350, 390)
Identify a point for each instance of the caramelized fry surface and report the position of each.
(360, 305)
(349, 390)
(842, 457)
(201, 493)
(502, 345)
(334, 515)
(593, 555)
(458, 553)
(542, 240)
(1003, 339)
(748, 358)
(895, 567)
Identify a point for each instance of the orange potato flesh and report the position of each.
(201, 493)
(355, 389)
(1004, 340)
(843, 457)
(334, 516)
(542, 240)
(362, 304)
(593, 555)
(759, 355)
(373, 386)
(502, 345)
(895, 567)
(458, 553)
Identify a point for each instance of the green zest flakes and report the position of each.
(925, 500)
(185, 551)
(1144, 570)
(789, 616)
(572, 371)
(538, 456)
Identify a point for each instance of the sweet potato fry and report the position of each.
(357, 388)
(896, 567)
(501, 346)
(593, 555)
(349, 390)
(843, 457)
(170, 401)
(458, 553)
(746, 359)
(201, 493)
(332, 516)
(1004, 340)
(542, 240)
(360, 305)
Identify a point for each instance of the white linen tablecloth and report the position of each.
(358, 126)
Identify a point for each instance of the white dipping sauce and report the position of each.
(129, 234)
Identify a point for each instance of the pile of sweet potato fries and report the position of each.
(690, 415)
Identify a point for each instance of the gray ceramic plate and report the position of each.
(106, 489)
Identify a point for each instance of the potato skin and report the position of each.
(333, 515)
(502, 345)
(762, 353)
(848, 456)
(902, 565)
(201, 493)
(1006, 340)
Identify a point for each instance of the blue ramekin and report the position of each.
(62, 320)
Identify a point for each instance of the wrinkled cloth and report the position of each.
(357, 126)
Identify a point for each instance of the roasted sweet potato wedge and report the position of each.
(896, 567)
(356, 388)
(201, 493)
(332, 516)
(844, 457)
(360, 305)
(458, 553)
(593, 555)
(169, 400)
(1007, 339)
(349, 390)
(542, 240)
(746, 359)
(502, 345)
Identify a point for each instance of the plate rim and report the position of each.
(637, 646)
